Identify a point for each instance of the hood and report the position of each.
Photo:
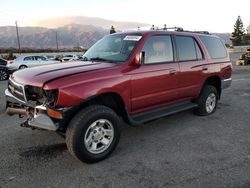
(38, 76)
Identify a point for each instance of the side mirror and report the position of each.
(139, 59)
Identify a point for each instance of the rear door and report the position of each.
(192, 66)
(43, 60)
(29, 61)
(154, 83)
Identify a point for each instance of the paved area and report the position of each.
(182, 150)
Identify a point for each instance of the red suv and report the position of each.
(134, 76)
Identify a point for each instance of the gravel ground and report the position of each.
(182, 150)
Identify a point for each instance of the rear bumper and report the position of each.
(226, 83)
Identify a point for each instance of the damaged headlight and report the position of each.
(33, 93)
(51, 96)
(40, 96)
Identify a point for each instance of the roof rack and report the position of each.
(179, 29)
(201, 32)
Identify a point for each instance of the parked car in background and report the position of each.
(3, 61)
(4, 72)
(51, 57)
(26, 61)
(70, 58)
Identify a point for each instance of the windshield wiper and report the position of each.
(100, 59)
(85, 58)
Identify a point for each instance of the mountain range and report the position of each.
(68, 36)
(69, 31)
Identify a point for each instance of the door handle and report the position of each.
(172, 72)
(204, 68)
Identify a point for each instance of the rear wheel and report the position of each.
(93, 133)
(3, 75)
(207, 101)
(23, 67)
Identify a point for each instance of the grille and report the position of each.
(16, 89)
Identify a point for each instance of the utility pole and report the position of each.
(18, 40)
(56, 41)
(78, 42)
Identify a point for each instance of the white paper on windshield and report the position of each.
(132, 37)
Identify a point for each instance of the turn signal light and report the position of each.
(54, 114)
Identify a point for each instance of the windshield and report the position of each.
(112, 48)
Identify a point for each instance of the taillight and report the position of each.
(9, 62)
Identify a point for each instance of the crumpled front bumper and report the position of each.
(36, 116)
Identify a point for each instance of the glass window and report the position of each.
(40, 58)
(29, 58)
(113, 48)
(158, 49)
(198, 51)
(186, 48)
(215, 47)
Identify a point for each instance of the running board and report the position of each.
(162, 112)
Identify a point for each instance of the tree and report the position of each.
(238, 34)
(165, 27)
(112, 29)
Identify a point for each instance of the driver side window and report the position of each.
(158, 49)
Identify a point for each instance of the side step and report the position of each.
(161, 112)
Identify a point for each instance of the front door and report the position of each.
(154, 83)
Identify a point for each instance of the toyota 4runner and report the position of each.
(133, 76)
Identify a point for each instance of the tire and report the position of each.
(207, 101)
(23, 67)
(87, 129)
(3, 75)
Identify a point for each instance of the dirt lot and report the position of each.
(182, 150)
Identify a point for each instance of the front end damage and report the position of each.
(34, 105)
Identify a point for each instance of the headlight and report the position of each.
(41, 96)
(51, 96)
(34, 94)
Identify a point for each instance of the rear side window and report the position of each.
(188, 49)
(215, 47)
(29, 58)
(40, 58)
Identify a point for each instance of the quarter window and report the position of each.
(158, 49)
(215, 47)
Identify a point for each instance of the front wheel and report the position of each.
(207, 101)
(93, 133)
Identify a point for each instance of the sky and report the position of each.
(212, 15)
